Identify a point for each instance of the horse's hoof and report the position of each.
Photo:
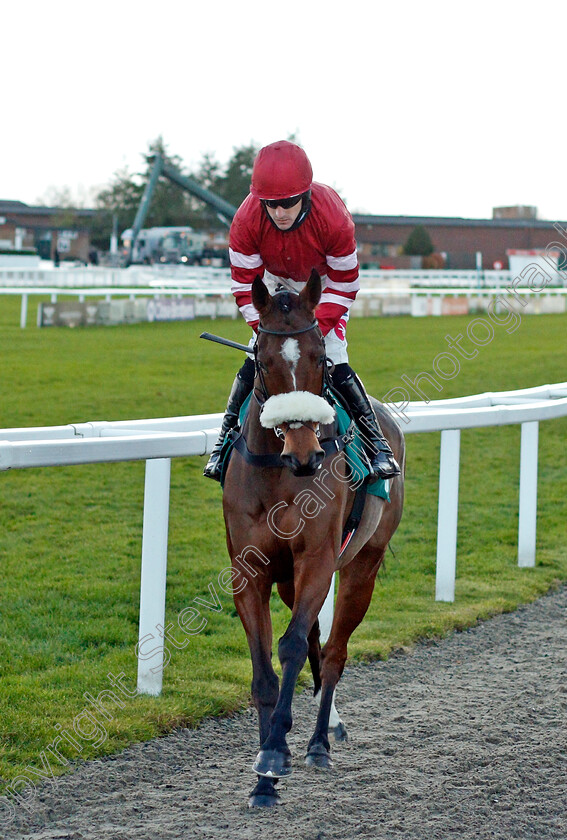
(340, 732)
(272, 764)
(264, 794)
(264, 800)
(318, 757)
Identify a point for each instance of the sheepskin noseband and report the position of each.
(300, 406)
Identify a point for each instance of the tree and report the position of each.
(66, 203)
(121, 199)
(171, 205)
(209, 171)
(234, 185)
(57, 197)
(418, 243)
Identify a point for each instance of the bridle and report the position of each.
(264, 393)
(312, 326)
(332, 445)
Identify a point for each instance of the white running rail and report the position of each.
(157, 441)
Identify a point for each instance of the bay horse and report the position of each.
(286, 499)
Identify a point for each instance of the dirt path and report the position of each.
(463, 738)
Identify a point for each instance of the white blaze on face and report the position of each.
(291, 353)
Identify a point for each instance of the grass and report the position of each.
(70, 538)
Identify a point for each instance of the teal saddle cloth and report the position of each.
(358, 469)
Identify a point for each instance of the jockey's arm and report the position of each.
(245, 265)
(342, 282)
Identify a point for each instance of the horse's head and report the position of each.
(290, 359)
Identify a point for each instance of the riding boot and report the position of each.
(241, 387)
(376, 447)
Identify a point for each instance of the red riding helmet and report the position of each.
(281, 170)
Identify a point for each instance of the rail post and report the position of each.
(448, 515)
(154, 567)
(528, 494)
(24, 311)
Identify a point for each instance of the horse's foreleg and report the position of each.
(274, 759)
(287, 594)
(252, 604)
(355, 592)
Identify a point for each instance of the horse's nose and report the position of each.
(310, 467)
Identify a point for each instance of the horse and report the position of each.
(287, 496)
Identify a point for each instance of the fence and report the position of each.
(157, 441)
(208, 277)
(371, 301)
(382, 292)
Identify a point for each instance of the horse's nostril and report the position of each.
(291, 461)
(314, 462)
(310, 468)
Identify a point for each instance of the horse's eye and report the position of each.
(262, 366)
(321, 360)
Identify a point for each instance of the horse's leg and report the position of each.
(287, 594)
(336, 724)
(311, 587)
(253, 607)
(355, 592)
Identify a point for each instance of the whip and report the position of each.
(226, 341)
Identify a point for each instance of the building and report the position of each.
(46, 230)
(381, 239)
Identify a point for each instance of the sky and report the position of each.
(407, 108)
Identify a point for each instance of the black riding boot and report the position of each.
(241, 387)
(376, 447)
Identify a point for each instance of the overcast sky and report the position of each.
(411, 108)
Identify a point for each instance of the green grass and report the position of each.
(70, 538)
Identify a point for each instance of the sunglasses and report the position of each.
(284, 203)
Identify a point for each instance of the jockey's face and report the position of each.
(284, 218)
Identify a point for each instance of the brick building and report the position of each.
(45, 230)
(380, 239)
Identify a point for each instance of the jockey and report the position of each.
(284, 228)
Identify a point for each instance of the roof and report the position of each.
(451, 221)
(18, 208)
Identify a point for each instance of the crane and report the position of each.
(160, 168)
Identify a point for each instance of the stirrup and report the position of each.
(213, 468)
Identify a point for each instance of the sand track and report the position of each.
(463, 738)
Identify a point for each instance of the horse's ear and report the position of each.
(260, 295)
(310, 295)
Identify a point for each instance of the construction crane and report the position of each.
(225, 210)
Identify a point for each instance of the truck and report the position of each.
(178, 245)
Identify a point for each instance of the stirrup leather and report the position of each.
(239, 392)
